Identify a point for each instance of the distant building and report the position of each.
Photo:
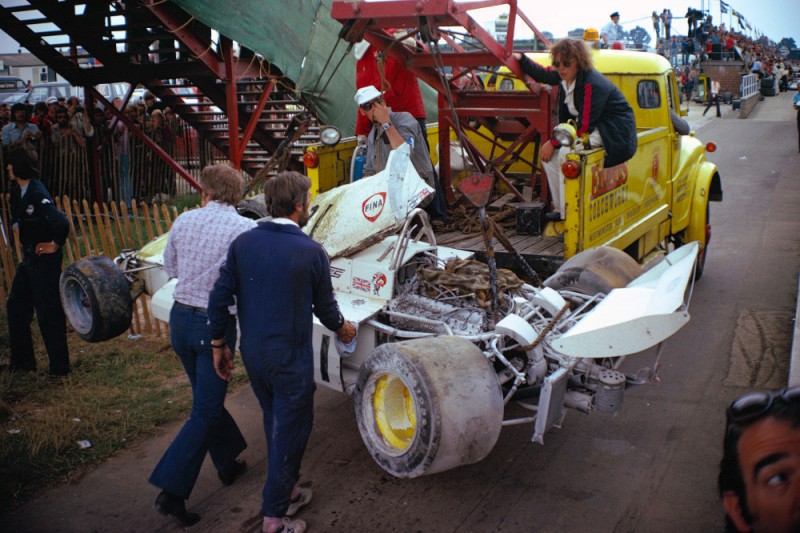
(501, 27)
(27, 67)
(577, 33)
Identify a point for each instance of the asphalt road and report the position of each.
(651, 469)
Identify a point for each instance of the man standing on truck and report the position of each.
(389, 131)
(598, 108)
(278, 276)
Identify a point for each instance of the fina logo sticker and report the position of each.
(373, 206)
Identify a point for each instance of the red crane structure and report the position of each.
(511, 121)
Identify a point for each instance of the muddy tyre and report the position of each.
(96, 298)
(594, 271)
(253, 208)
(428, 405)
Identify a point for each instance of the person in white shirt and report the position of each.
(713, 98)
(611, 32)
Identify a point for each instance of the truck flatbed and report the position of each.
(543, 254)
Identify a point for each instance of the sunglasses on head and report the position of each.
(566, 64)
(754, 405)
(368, 105)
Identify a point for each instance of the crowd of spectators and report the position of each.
(61, 131)
(705, 41)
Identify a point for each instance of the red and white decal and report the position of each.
(378, 281)
(373, 206)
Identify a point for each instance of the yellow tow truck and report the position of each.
(657, 199)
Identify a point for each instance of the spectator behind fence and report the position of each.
(759, 478)
(43, 230)
(20, 133)
(656, 25)
(666, 18)
(80, 121)
(63, 135)
(163, 177)
(41, 119)
(123, 151)
(5, 114)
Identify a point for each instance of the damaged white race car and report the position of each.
(439, 353)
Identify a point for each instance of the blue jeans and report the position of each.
(284, 386)
(210, 427)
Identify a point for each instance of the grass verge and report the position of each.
(119, 391)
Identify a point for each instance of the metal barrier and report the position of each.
(750, 85)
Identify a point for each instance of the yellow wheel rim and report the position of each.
(395, 413)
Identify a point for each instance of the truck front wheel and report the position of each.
(97, 298)
(428, 405)
(705, 237)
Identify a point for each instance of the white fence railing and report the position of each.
(750, 85)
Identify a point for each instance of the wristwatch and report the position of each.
(386, 126)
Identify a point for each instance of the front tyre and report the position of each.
(428, 405)
(97, 298)
(594, 271)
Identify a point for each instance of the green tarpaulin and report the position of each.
(297, 36)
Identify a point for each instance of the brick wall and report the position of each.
(728, 73)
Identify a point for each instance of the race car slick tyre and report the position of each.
(253, 208)
(594, 271)
(428, 405)
(96, 298)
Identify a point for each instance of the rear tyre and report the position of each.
(428, 405)
(253, 208)
(97, 298)
(596, 270)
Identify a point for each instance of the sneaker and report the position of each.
(289, 525)
(301, 500)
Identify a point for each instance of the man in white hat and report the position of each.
(389, 131)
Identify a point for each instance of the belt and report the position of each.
(191, 307)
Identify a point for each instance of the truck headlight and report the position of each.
(330, 135)
(565, 134)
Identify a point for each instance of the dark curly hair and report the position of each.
(24, 167)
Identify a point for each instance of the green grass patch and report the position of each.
(119, 391)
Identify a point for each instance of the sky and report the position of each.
(774, 18)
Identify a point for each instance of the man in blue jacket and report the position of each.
(279, 277)
(43, 231)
